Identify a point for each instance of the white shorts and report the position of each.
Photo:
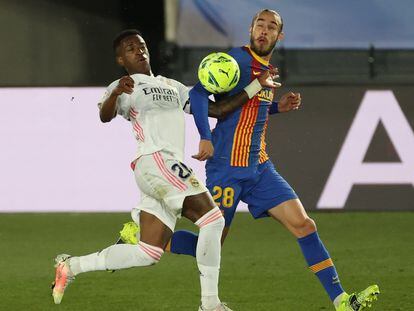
(164, 183)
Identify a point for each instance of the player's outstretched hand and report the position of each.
(289, 101)
(125, 85)
(205, 150)
(268, 77)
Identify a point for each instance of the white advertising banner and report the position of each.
(56, 155)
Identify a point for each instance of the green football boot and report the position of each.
(128, 234)
(359, 301)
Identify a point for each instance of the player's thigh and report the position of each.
(293, 216)
(156, 220)
(153, 231)
(195, 206)
(160, 175)
(265, 190)
(290, 212)
(165, 179)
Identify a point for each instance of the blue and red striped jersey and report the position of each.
(240, 137)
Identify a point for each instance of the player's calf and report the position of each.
(208, 256)
(114, 257)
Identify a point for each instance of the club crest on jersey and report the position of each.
(194, 182)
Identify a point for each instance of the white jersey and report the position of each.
(155, 110)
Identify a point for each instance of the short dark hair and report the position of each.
(269, 11)
(122, 35)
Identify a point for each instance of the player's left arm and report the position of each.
(288, 102)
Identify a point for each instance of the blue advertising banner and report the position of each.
(307, 24)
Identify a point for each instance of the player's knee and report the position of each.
(310, 225)
(303, 227)
(212, 219)
(307, 227)
(220, 222)
(149, 254)
(195, 206)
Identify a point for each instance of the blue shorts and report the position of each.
(261, 187)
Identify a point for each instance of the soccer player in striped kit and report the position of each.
(240, 168)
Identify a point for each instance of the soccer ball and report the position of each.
(218, 72)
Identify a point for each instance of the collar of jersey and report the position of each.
(257, 57)
(151, 75)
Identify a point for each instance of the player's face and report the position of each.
(265, 32)
(133, 55)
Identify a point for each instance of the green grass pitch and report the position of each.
(262, 267)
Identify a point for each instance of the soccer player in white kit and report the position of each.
(154, 106)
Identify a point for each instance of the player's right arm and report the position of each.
(108, 108)
(222, 108)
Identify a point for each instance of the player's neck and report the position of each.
(262, 58)
(149, 73)
(267, 57)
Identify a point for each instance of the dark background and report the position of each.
(68, 43)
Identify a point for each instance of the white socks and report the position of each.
(208, 256)
(338, 299)
(115, 257)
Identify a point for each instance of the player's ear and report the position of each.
(120, 61)
(281, 36)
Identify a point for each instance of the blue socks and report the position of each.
(321, 264)
(184, 242)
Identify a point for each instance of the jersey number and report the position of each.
(226, 195)
(183, 171)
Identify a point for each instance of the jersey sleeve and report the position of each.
(274, 108)
(122, 101)
(199, 109)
